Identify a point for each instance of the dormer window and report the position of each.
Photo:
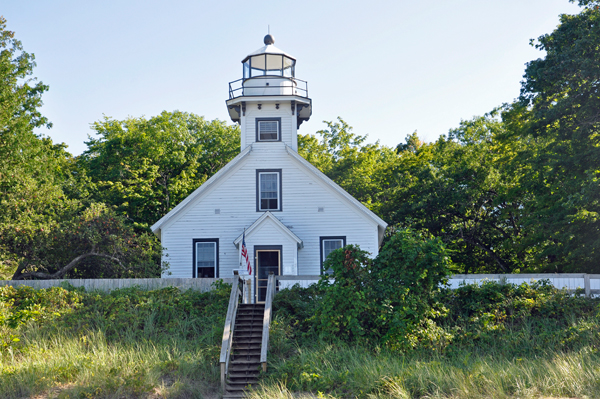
(268, 129)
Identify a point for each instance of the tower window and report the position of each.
(268, 190)
(268, 129)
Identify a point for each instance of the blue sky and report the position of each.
(387, 67)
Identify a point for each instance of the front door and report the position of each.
(267, 261)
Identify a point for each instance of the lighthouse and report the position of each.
(269, 102)
(270, 201)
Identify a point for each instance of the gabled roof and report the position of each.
(380, 222)
(204, 187)
(268, 217)
(302, 162)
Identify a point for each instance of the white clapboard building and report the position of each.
(292, 214)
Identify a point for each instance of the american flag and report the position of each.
(245, 254)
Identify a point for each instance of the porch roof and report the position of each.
(268, 216)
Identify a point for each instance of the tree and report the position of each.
(145, 167)
(93, 242)
(49, 228)
(29, 182)
(360, 169)
(557, 116)
(457, 189)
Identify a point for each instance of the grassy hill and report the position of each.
(494, 341)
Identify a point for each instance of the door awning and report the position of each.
(269, 218)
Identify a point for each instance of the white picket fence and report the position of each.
(196, 284)
(590, 283)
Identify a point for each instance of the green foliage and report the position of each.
(520, 319)
(407, 275)
(153, 315)
(145, 167)
(387, 300)
(347, 309)
(556, 116)
(67, 343)
(296, 306)
(459, 189)
(91, 242)
(493, 340)
(360, 169)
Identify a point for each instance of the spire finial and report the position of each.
(269, 39)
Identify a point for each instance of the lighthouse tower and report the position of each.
(269, 102)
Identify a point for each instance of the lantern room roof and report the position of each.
(268, 49)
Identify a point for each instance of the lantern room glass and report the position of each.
(269, 65)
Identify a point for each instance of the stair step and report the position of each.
(247, 352)
(254, 344)
(248, 330)
(245, 361)
(237, 385)
(252, 373)
(244, 368)
(242, 381)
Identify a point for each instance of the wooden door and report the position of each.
(267, 261)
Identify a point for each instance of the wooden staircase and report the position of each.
(245, 338)
(244, 365)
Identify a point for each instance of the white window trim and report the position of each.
(197, 241)
(259, 120)
(259, 173)
(322, 240)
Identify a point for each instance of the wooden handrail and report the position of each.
(228, 330)
(271, 285)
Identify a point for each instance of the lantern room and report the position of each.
(269, 89)
(269, 61)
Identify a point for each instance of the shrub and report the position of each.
(408, 272)
(385, 300)
(347, 308)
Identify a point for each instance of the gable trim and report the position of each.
(335, 187)
(204, 187)
(283, 228)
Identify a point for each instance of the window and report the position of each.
(328, 245)
(206, 258)
(268, 190)
(268, 129)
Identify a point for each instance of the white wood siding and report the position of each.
(268, 110)
(235, 197)
(266, 234)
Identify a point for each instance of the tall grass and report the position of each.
(128, 344)
(346, 371)
(64, 343)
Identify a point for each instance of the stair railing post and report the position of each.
(271, 282)
(249, 292)
(244, 291)
(228, 330)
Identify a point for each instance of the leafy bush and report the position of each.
(347, 309)
(407, 274)
(385, 300)
(518, 319)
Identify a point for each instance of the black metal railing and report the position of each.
(244, 87)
